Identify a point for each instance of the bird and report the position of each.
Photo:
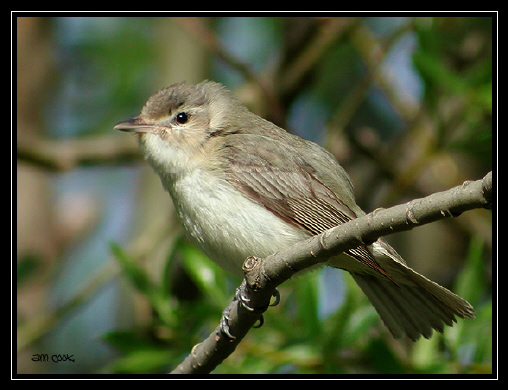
(242, 186)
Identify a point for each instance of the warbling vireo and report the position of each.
(244, 187)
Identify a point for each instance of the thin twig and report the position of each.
(331, 30)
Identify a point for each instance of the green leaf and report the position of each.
(135, 273)
(139, 278)
(142, 362)
(307, 299)
(471, 283)
(127, 341)
(384, 358)
(208, 276)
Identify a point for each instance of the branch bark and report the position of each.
(262, 276)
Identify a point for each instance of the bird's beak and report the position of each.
(135, 124)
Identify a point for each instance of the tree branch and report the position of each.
(262, 276)
(331, 29)
(64, 155)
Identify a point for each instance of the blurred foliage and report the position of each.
(109, 74)
(457, 69)
(295, 338)
(104, 60)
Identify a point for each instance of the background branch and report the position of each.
(262, 276)
(209, 40)
(330, 30)
(64, 155)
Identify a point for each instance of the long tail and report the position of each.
(415, 305)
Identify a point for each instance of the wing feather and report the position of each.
(284, 182)
(291, 191)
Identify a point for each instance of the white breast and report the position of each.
(226, 224)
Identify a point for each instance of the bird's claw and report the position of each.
(276, 295)
(242, 298)
(224, 325)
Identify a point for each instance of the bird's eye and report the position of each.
(182, 118)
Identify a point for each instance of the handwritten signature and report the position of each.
(55, 358)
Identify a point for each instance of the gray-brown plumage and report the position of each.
(245, 187)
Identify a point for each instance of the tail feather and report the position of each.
(415, 305)
(407, 302)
